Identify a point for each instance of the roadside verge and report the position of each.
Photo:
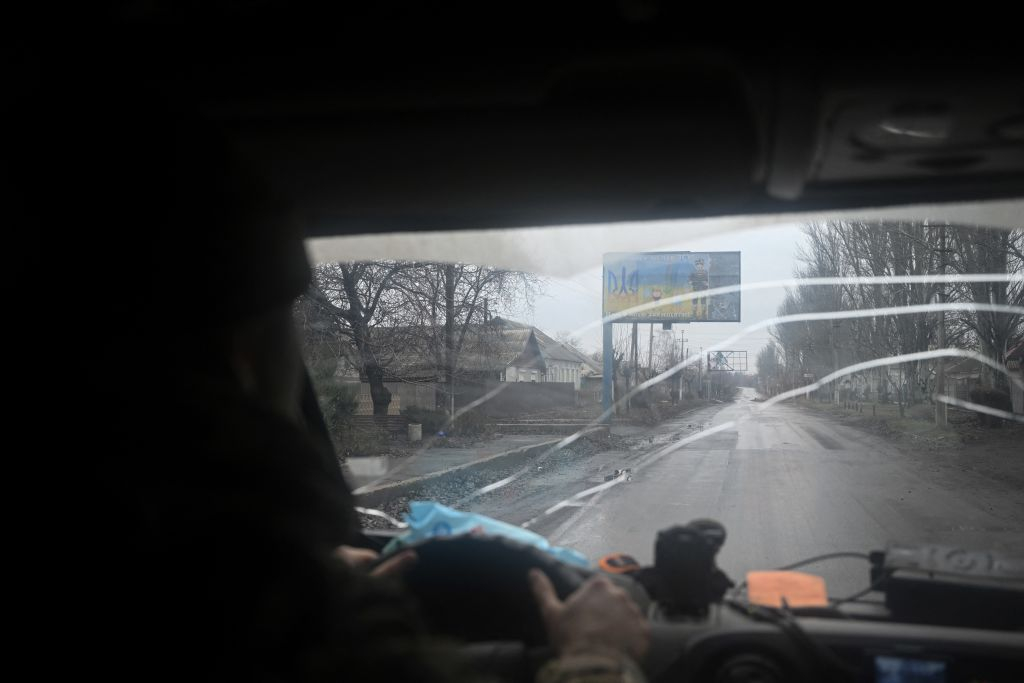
(376, 496)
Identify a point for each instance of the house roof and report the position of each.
(491, 347)
(550, 348)
(966, 366)
(1016, 352)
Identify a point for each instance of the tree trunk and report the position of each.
(449, 334)
(379, 393)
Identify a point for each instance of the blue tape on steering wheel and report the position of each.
(433, 520)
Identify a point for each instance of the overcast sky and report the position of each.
(570, 257)
(570, 303)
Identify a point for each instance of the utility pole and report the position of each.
(682, 350)
(449, 336)
(608, 373)
(633, 354)
(687, 352)
(650, 350)
(700, 374)
(835, 345)
(672, 363)
(940, 368)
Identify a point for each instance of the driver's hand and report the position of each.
(362, 558)
(598, 618)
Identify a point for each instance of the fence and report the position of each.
(403, 395)
(514, 398)
(517, 398)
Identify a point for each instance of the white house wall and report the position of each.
(557, 371)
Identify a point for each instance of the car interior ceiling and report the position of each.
(388, 120)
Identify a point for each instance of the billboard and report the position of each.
(635, 279)
(727, 361)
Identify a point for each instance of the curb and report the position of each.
(377, 495)
(675, 417)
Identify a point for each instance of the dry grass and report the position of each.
(917, 428)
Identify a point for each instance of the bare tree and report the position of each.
(445, 311)
(358, 303)
(989, 250)
(858, 249)
(770, 371)
(392, 320)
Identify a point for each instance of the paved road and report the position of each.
(787, 483)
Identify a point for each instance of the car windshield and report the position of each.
(818, 384)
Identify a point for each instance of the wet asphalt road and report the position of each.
(787, 484)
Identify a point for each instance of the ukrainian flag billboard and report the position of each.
(650, 280)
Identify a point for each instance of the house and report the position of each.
(497, 351)
(962, 376)
(542, 358)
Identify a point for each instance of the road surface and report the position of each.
(786, 482)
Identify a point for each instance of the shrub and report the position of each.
(433, 421)
(991, 398)
(360, 443)
(342, 401)
(338, 403)
(472, 423)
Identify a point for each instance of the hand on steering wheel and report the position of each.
(364, 558)
(598, 618)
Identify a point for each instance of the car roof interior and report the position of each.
(382, 120)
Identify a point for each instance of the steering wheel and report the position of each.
(475, 588)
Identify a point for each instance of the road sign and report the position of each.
(808, 375)
(665, 286)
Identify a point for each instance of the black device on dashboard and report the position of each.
(939, 584)
(684, 579)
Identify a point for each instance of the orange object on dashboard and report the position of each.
(618, 563)
(799, 589)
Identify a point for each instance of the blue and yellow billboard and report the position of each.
(651, 279)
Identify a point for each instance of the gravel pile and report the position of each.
(450, 490)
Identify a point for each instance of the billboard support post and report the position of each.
(664, 287)
(607, 379)
(633, 379)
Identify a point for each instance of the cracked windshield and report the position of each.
(818, 386)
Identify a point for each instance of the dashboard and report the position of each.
(731, 647)
(473, 589)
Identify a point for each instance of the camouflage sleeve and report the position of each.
(591, 668)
